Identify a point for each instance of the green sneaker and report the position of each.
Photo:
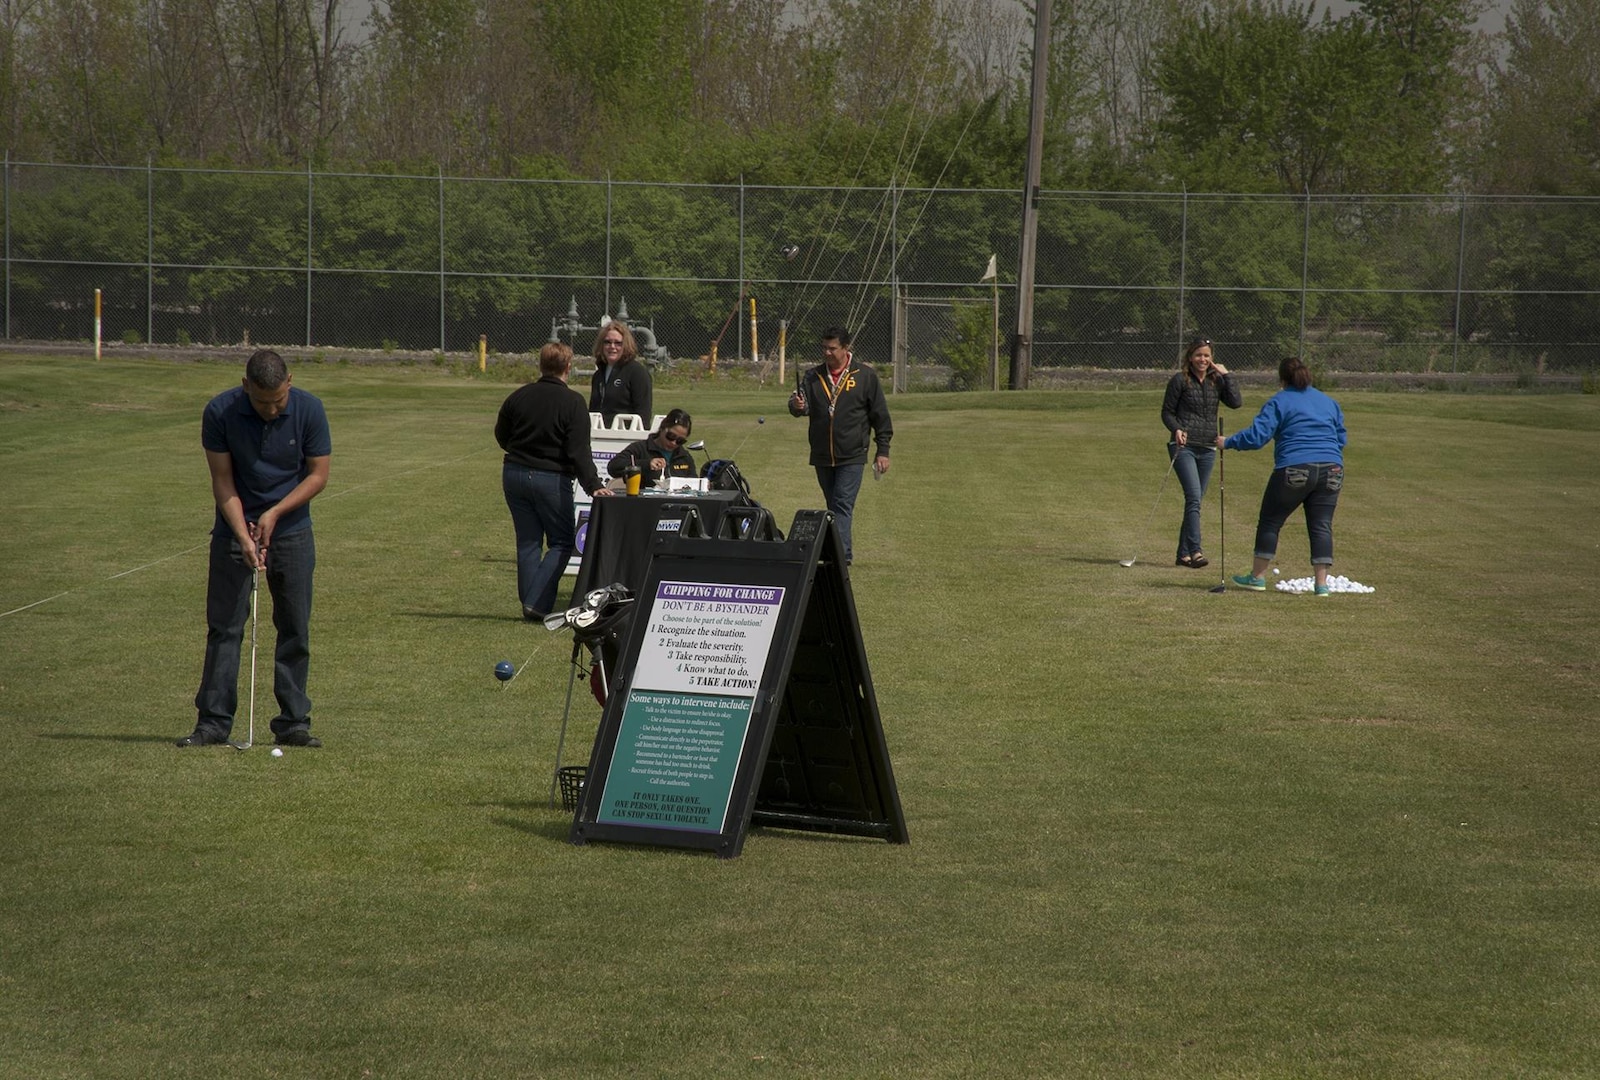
(1323, 590)
(1250, 581)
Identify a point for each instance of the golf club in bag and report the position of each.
(597, 625)
(1222, 517)
(1173, 460)
(250, 738)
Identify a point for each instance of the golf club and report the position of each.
(250, 739)
(700, 445)
(1222, 516)
(1151, 516)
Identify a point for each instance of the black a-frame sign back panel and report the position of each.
(828, 766)
(743, 696)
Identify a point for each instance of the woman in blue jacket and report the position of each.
(1306, 429)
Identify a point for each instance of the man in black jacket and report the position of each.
(845, 402)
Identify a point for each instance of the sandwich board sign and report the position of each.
(742, 696)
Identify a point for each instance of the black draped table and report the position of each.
(616, 546)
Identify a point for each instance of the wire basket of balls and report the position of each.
(571, 778)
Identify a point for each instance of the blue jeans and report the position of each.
(840, 485)
(1315, 486)
(541, 513)
(1193, 466)
(291, 562)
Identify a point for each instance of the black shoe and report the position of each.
(532, 614)
(203, 737)
(297, 737)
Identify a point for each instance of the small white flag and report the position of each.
(991, 273)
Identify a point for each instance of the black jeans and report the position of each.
(291, 559)
(1315, 486)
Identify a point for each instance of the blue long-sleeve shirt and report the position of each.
(1303, 425)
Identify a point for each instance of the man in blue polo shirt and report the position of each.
(267, 446)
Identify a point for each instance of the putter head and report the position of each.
(1219, 587)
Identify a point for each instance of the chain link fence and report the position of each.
(328, 261)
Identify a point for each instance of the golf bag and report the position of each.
(598, 623)
(723, 475)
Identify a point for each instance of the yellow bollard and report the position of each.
(712, 368)
(97, 324)
(483, 352)
(783, 346)
(755, 349)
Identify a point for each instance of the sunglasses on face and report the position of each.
(671, 439)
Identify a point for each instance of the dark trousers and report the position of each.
(541, 513)
(1316, 487)
(1193, 466)
(291, 560)
(840, 485)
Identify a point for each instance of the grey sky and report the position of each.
(1493, 20)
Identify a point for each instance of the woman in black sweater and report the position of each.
(1189, 412)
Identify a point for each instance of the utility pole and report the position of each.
(1022, 341)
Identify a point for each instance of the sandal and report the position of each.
(1197, 560)
(1185, 560)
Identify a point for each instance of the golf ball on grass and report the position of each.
(504, 670)
(277, 751)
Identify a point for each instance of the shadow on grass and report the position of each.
(475, 616)
(551, 824)
(91, 737)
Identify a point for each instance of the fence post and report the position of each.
(310, 204)
(739, 341)
(606, 311)
(8, 242)
(898, 383)
(441, 260)
(1305, 270)
(149, 252)
(1461, 270)
(1183, 257)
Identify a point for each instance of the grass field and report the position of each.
(1155, 832)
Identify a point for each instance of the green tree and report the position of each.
(1543, 133)
(1265, 96)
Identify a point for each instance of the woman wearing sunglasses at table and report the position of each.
(659, 453)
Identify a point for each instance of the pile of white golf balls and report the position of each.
(1337, 583)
